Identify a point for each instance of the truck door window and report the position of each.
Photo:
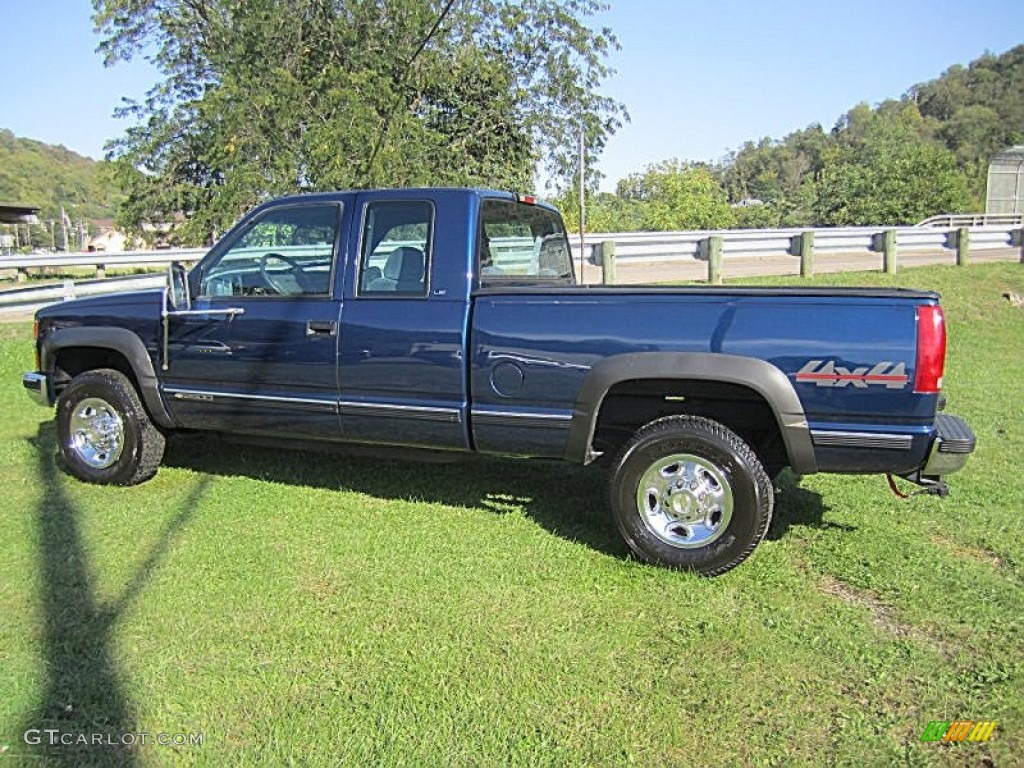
(395, 254)
(520, 241)
(285, 252)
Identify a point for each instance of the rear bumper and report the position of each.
(953, 445)
(39, 387)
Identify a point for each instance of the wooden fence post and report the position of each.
(807, 254)
(889, 254)
(963, 246)
(714, 246)
(608, 262)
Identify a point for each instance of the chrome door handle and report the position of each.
(321, 328)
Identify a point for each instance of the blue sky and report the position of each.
(698, 78)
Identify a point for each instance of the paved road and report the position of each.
(738, 266)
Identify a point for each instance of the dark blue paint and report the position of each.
(422, 358)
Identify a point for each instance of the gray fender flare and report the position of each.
(758, 375)
(120, 340)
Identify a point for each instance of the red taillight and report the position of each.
(931, 349)
(528, 199)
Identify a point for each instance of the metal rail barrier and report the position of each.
(29, 299)
(100, 260)
(682, 246)
(629, 247)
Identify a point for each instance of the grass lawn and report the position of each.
(309, 609)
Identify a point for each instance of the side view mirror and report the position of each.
(178, 298)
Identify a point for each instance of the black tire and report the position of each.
(708, 500)
(104, 434)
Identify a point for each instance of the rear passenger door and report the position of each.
(401, 369)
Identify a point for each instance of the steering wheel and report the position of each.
(294, 269)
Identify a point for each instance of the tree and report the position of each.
(605, 212)
(265, 97)
(778, 173)
(886, 170)
(976, 111)
(675, 195)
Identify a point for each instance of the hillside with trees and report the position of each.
(896, 163)
(48, 176)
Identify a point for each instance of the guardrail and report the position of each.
(640, 246)
(100, 261)
(29, 299)
(711, 246)
(676, 246)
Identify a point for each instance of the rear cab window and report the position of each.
(520, 243)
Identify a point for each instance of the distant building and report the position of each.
(111, 240)
(1006, 182)
(18, 214)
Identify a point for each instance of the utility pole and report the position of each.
(583, 197)
(64, 227)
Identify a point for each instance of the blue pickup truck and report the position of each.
(449, 320)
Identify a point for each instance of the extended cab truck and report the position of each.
(449, 319)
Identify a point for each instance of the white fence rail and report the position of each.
(974, 220)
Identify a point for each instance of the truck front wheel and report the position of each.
(686, 492)
(105, 435)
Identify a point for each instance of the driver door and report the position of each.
(264, 360)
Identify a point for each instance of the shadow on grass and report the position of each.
(84, 699)
(564, 499)
(796, 506)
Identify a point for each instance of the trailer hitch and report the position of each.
(930, 486)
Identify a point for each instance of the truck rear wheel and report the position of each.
(686, 492)
(105, 435)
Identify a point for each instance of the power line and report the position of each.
(399, 83)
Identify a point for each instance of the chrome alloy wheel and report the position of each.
(96, 433)
(685, 500)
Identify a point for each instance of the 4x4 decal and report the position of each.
(828, 374)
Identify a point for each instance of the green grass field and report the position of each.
(310, 609)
